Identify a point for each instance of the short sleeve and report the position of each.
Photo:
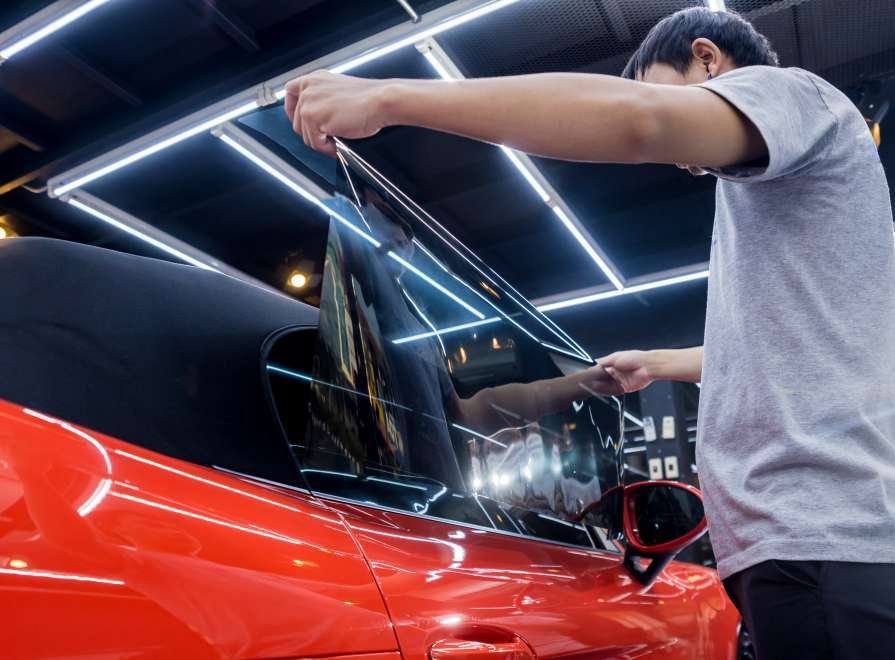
(787, 108)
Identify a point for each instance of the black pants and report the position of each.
(818, 610)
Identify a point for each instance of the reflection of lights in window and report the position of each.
(479, 435)
(435, 285)
(464, 358)
(526, 472)
(300, 376)
(445, 331)
(298, 280)
(487, 287)
(18, 563)
(477, 484)
(556, 467)
(495, 344)
(3, 232)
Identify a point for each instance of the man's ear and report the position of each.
(708, 55)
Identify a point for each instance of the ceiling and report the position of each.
(132, 66)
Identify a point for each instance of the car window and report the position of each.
(410, 401)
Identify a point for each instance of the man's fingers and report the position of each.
(290, 105)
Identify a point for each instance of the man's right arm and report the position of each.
(634, 370)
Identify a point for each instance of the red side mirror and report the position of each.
(657, 518)
(662, 517)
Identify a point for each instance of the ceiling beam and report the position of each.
(101, 77)
(227, 20)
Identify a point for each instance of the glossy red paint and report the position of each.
(108, 550)
(444, 581)
(632, 534)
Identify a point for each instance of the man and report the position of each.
(796, 447)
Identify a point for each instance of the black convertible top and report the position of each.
(162, 355)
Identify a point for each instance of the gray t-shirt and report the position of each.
(796, 446)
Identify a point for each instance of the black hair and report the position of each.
(670, 41)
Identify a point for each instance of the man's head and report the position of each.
(696, 44)
(693, 44)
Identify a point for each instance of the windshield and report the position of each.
(431, 387)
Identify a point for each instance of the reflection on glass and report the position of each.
(476, 425)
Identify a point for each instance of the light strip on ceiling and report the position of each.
(292, 185)
(441, 19)
(96, 213)
(446, 69)
(411, 39)
(591, 252)
(716, 5)
(19, 42)
(155, 148)
(571, 302)
(628, 290)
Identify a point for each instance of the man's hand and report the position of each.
(630, 370)
(323, 105)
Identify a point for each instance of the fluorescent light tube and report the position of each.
(637, 288)
(148, 151)
(409, 40)
(282, 178)
(138, 234)
(592, 253)
(48, 29)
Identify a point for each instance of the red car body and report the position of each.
(111, 550)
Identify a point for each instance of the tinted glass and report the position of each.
(664, 513)
(418, 400)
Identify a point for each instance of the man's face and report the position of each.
(665, 74)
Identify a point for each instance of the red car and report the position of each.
(191, 466)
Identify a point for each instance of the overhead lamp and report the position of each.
(628, 290)
(298, 280)
(155, 148)
(105, 217)
(716, 5)
(43, 24)
(141, 149)
(411, 39)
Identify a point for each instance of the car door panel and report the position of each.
(442, 579)
(109, 549)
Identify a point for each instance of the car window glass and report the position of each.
(414, 403)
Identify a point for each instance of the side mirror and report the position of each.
(658, 520)
(662, 516)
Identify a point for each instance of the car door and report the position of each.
(455, 453)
